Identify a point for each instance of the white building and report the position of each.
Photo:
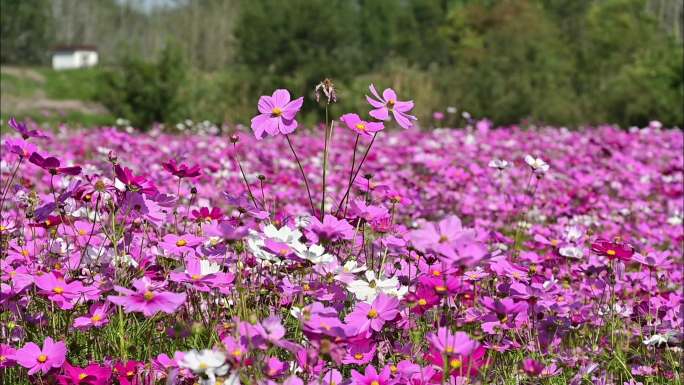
(69, 57)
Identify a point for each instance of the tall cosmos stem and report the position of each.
(328, 134)
(353, 178)
(301, 169)
(9, 183)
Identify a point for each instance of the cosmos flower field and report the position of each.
(366, 252)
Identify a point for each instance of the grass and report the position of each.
(79, 84)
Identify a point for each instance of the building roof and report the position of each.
(72, 48)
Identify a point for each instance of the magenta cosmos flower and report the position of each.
(35, 359)
(183, 170)
(361, 127)
(146, 299)
(389, 103)
(276, 114)
(21, 128)
(92, 374)
(20, 147)
(613, 250)
(51, 164)
(367, 317)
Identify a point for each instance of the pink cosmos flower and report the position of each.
(361, 127)
(51, 164)
(146, 299)
(613, 250)
(6, 354)
(20, 147)
(97, 317)
(371, 376)
(206, 215)
(276, 114)
(126, 373)
(532, 367)
(35, 359)
(330, 229)
(183, 170)
(57, 290)
(389, 103)
(135, 183)
(21, 128)
(367, 317)
(179, 244)
(444, 341)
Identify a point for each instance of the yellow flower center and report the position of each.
(181, 242)
(372, 284)
(436, 273)
(148, 295)
(2, 358)
(203, 365)
(82, 376)
(358, 356)
(42, 358)
(276, 111)
(611, 252)
(96, 318)
(47, 222)
(306, 287)
(82, 232)
(373, 314)
(361, 127)
(284, 251)
(455, 363)
(443, 239)
(196, 277)
(3, 228)
(25, 252)
(391, 102)
(58, 290)
(422, 302)
(555, 242)
(393, 368)
(440, 289)
(449, 349)
(237, 352)
(58, 265)
(12, 274)
(375, 382)
(130, 373)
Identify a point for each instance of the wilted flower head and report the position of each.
(328, 88)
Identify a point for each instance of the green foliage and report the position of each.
(26, 30)
(147, 92)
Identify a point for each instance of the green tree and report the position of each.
(26, 28)
(509, 63)
(146, 92)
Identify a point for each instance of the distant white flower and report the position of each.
(208, 267)
(367, 290)
(206, 363)
(451, 110)
(572, 252)
(573, 234)
(656, 340)
(499, 164)
(466, 115)
(537, 164)
(676, 220)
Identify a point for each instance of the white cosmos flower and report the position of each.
(284, 234)
(499, 164)
(572, 234)
(207, 363)
(656, 339)
(368, 289)
(208, 267)
(314, 253)
(572, 252)
(537, 164)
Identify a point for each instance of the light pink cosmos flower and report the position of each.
(32, 357)
(372, 316)
(276, 114)
(389, 103)
(146, 299)
(179, 244)
(57, 290)
(97, 317)
(361, 127)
